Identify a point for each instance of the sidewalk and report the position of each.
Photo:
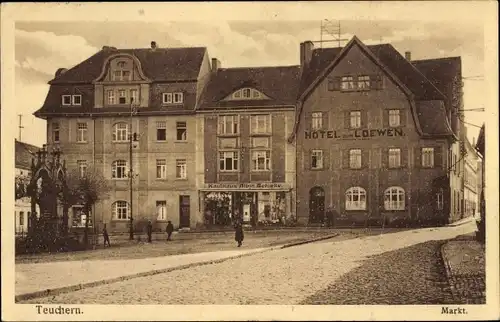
(464, 261)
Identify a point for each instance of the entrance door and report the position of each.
(184, 212)
(316, 205)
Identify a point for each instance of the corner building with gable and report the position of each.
(375, 135)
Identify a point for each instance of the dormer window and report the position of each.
(173, 98)
(77, 99)
(121, 75)
(72, 100)
(247, 94)
(66, 100)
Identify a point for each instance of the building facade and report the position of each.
(367, 144)
(246, 164)
(24, 154)
(140, 103)
(366, 131)
(471, 179)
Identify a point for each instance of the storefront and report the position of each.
(258, 203)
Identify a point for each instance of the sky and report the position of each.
(41, 47)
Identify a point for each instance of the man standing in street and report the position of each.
(329, 217)
(169, 230)
(106, 236)
(150, 231)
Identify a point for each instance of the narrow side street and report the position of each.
(375, 267)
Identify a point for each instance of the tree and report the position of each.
(85, 189)
(21, 185)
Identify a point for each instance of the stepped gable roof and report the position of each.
(279, 83)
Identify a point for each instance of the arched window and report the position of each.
(120, 132)
(120, 210)
(247, 94)
(355, 199)
(394, 198)
(119, 169)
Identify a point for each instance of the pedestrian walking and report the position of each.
(238, 228)
(106, 236)
(169, 230)
(150, 231)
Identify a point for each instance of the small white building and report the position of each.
(24, 154)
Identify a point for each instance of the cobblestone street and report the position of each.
(401, 268)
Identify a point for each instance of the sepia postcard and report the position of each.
(250, 161)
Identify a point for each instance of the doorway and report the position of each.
(316, 205)
(184, 212)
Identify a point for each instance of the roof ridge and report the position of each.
(439, 58)
(161, 48)
(260, 67)
(69, 69)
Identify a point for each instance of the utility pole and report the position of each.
(21, 127)
(130, 173)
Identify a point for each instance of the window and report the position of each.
(55, 132)
(394, 199)
(428, 157)
(261, 161)
(119, 169)
(134, 96)
(178, 98)
(81, 132)
(181, 169)
(66, 100)
(260, 124)
(120, 210)
(394, 158)
(364, 82)
(439, 200)
(237, 94)
(355, 119)
(355, 199)
(167, 98)
(111, 97)
(355, 159)
(228, 124)
(317, 159)
(121, 75)
(394, 118)
(228, 143)
(161, 131)
(82, 167)
(260, 142)
(317, 120)
(122, 97)
(120, 132)
(77, 99)
(161, 169)
(347, 83)
(228, 161)
(181, 131)
(21, 218)
(255, 94)
(161, 210)
(246, 92)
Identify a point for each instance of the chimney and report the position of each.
(306, 49)
(408, 55)
(215, 65)
(60, 71)
(153, 45)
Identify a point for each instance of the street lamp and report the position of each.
(132, 138)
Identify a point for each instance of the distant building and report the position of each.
(24, 154)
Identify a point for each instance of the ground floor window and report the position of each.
(439, 200)
(161, 210)
(79, 217)
(120, 210)
(394, 198)
(355, 199)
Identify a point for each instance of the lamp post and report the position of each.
(132, 139)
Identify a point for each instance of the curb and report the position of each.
(448, 270)
(78, 287)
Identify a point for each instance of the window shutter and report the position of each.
(307, 159)
(364, 118)
(365, 158)
(308, 119)
(438, 157)
(347, 119)
(325, 120)
(326, 159)
(385, 158)
(418, 157)
(402, 116)
(336, 83)
(345, 159)
(404, 157)
(385, 118)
